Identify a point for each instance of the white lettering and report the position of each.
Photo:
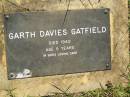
(21, 35)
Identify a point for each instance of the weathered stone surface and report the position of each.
(78, 82)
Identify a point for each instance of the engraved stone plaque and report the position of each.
(49, 43)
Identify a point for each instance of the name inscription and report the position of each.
(57, 32)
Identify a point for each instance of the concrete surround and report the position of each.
(79, 82)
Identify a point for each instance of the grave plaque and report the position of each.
(48, 43)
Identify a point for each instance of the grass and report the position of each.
(118, 91)
(110, 91)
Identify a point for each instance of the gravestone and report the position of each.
(48, 43)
